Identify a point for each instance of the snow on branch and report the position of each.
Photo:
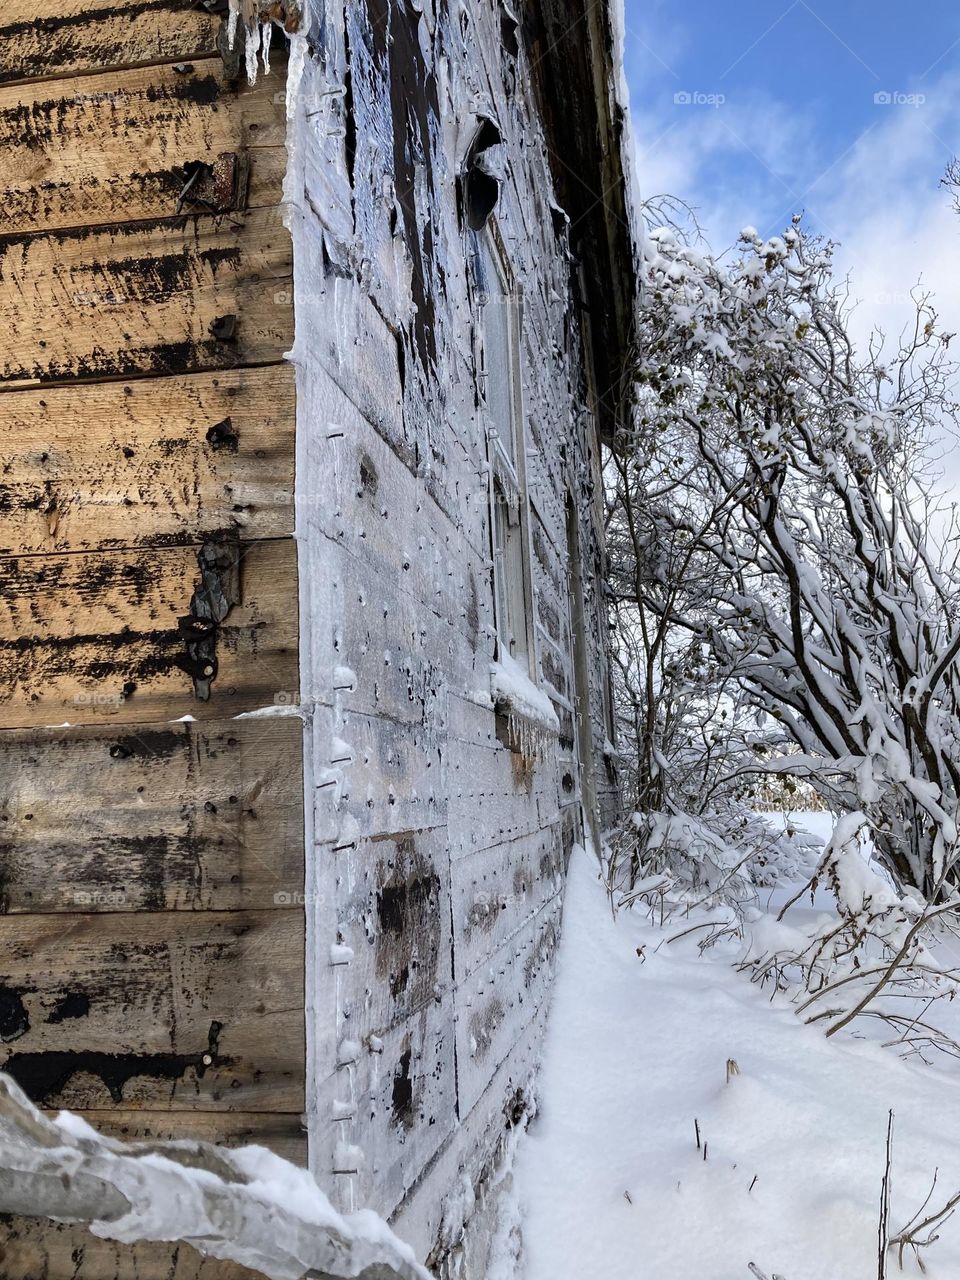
(775, 520)
(245, 1205)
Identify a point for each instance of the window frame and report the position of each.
(512, 599)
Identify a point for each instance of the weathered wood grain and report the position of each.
(189, 1011)
(494, 798)
(393, 778)
(152, 817)
(145, 297)
(393, 912)
(148, 462)
(93, 637)
(35, 1248)
(59, 37)
(494, 1003)
(121, 146)
(496, 891)
(281, 1131)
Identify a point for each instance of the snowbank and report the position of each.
(610, 1178)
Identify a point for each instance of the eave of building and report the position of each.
(572, 65)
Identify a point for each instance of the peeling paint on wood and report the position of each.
(152, 940)
(184, 1010)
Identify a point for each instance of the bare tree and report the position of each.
(773, 503)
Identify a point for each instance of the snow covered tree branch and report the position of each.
(245, 1205)
(772, 502)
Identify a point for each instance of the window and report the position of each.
(500, 388)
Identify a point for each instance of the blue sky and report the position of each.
(848, 111)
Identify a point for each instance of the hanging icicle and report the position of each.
(257, 18)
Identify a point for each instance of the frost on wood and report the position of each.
(246, 1206)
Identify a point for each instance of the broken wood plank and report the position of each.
(131, 145)
(148, 462)
(169, 296)
(61, 37)
(107, 636)
(193, 1011)
(198, 817)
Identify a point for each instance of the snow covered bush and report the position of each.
(771, 503)
(880, 946)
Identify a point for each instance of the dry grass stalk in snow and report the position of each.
(246, 1206)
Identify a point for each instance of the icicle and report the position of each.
(254, 37)
(266, 35)
(232, 20)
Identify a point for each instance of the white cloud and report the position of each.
(879, 198)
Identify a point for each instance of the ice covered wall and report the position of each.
(436, 847)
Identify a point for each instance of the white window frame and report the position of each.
(509, 503)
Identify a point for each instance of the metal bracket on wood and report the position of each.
(215, 595)
(218, 187)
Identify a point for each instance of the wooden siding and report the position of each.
(439, 846)
(151, 843)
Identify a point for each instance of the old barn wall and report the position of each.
(151, 952)
(437, 852)
(248, 470)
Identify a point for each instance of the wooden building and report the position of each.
(304, 696)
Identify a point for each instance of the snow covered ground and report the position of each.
(609, 1181)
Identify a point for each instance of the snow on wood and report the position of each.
(245, 1205)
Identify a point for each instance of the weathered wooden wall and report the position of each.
(151, 844)
(436, 864)
(164, 943)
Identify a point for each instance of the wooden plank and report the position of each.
(497, 796)
(94, 636)
(145, 297)
(496, 1002)
(281, 1131)
(188, 1011)
(60, 37)
(496, 891)
(132, 464)
(158, 817)
(393, 914)
(390, 1110)
(467, 1151)
(31, 1248)
(393, 778)
(113, 148)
